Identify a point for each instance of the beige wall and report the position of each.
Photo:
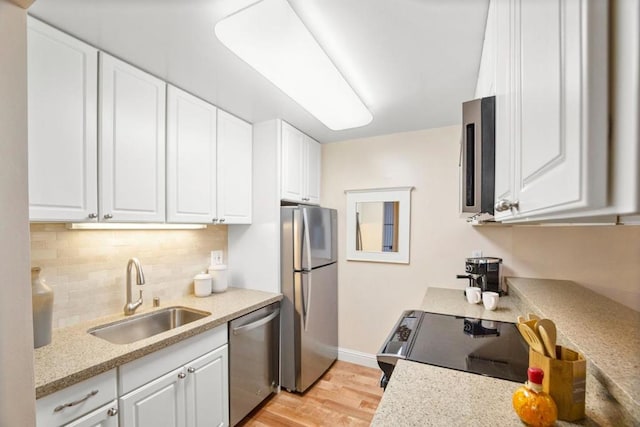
(372, 295)
(86, 268)
(17, 393)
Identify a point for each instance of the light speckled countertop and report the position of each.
(452, 301)
(74, 355)
(606, 332)
(426, 395)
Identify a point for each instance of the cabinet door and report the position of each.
(62, 121)
(562, 133)
(234, 169)
(132, 143)
(158, 403)
(207, 388)
(191, 158)
(505, 102)
(293, 164)
(105, 416)
(552, 107)
(313, 168)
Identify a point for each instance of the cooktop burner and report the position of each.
(484, 347)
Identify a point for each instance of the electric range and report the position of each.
(484, 347)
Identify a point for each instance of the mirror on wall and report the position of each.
(378, 224)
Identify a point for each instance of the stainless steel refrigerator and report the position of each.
(309, 310)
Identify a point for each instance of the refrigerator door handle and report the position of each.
(307, 240)
(305, 300)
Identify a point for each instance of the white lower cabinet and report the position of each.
(87, 403)
(105, 416)
(207, 390)
(159, 403)
(184, 385)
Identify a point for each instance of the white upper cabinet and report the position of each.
(191, 158)
(552, 109)
(234, 170)
(313, 159)
(62, 108)
(300, 167)
(132, 143)
(292, 163)
(501, 66)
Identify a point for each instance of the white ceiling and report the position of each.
(413, 62)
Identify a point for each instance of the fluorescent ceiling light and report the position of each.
(132, 226)
(270, 37)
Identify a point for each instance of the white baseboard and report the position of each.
(357, 357)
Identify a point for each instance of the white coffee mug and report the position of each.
(490, 300)
(474, 295)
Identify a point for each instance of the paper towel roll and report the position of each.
(219, 275)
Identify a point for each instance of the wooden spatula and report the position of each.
(531, 337)
(548, 334)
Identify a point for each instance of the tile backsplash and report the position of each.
(86, 268)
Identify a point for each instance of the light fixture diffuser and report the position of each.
(270, 37)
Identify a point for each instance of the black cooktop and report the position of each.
(484, 347)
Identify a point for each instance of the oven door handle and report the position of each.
(390, 358)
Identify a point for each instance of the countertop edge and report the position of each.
(53, 386)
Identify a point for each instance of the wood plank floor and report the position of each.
(346, 395)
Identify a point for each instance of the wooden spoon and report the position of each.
(548, 334)
(533, 316)
(531, 337)
(531, 322)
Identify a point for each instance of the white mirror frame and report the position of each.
(396, 194)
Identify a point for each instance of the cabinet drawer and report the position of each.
(141, 371)
(106, 416)
(80, 399)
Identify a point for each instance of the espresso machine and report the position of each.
(484, 273)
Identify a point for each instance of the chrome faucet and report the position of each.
(130, 307)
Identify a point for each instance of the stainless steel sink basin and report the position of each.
(147, 325)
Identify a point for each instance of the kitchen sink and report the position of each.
(147, 325)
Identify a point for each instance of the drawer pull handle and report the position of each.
(77, 402)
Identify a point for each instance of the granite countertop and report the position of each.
(606, 332)
(426, 395)
(452, 301)
(74, 355)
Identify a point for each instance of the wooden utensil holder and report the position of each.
(565, 379)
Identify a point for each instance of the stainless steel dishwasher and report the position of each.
(254, 362)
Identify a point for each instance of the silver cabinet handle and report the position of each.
(93, 215)
(221, 220)
(256, 324)
(214, 220)
(76, 402)
(505, 205)
(112, 412)
(182, 375)
(107, 216)
(191, 369)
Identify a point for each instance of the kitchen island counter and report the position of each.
(74, 355)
